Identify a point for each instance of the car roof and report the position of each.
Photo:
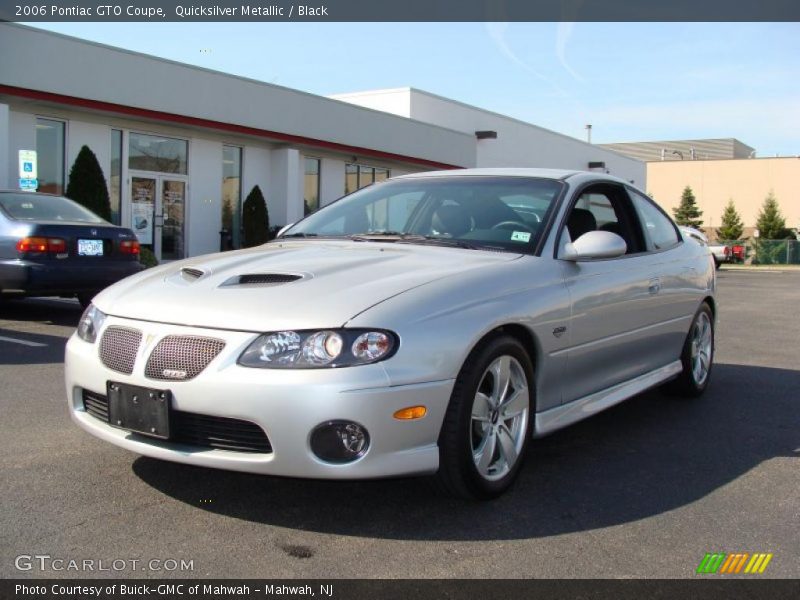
(578, 177)
(497, 172)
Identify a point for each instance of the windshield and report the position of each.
(505, 213)
(34, 207)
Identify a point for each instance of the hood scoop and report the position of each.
(192, 273)
(261, 279)
(186, 276)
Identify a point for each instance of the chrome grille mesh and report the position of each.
(118, 348)
(181, 357)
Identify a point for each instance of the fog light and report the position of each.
(339, 441)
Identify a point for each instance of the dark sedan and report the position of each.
(52, 246)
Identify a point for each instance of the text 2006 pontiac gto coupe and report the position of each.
(431, 323)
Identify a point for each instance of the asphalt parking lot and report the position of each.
(642, 490)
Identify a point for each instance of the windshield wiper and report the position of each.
(298, 235)
(385, 236)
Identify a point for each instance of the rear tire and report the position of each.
(697, 356)
(487, 426)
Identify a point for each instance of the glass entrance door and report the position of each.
(158, 214)
(172, 212)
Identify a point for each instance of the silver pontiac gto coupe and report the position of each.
(431, 323)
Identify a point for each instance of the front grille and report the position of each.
(96, 405)
(181, 357)
(118, 348)
(219, 432)
(193, 429)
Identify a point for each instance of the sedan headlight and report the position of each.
(90, 323)
(319, 348)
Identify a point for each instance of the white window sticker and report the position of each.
(520, 236)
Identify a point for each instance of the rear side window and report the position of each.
(32, 207)
(659, 229)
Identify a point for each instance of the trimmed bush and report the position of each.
(255, 219)
(147, 258)
(87, 184)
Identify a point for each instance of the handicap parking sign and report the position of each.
(27, 167)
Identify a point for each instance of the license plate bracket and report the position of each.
(139, 409)
(90, 247)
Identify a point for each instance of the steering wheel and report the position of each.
(513, 225)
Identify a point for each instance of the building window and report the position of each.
(311, 186)
(359, 176)
(350, 178)
(50, 155)
(157, 153)
(231, 197)
(115, 183)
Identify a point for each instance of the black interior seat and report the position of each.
(580, 221)
(451, 219)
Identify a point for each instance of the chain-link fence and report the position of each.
(764, 252)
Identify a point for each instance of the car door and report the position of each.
(612, 300)
(678, 294)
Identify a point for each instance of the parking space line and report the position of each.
(23, 342)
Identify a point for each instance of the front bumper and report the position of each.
(286, 404)
(53, 277)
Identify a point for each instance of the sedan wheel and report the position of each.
(487, 425)
(697, 357)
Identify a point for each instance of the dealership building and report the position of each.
(182, 146)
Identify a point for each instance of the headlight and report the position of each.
(90, 323)
(319, 348)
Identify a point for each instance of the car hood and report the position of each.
(337, 281)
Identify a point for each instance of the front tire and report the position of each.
(486, 428)
(697, 356)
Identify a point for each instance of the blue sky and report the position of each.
(631, 81)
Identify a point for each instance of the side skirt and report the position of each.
(561, 416)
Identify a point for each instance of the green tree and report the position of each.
(770, 247)
(255, 218)
(87, 185)
(687, 213)
(771, 224)
(732, 226)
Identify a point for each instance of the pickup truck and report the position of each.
(722, 253)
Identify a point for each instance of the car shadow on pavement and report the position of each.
(642, 458)
(19, 345)
(48, 311)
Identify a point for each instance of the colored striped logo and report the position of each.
(734, 563)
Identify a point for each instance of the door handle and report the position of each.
(655, 286)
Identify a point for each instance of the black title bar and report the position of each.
(711, 587)
(404, 10)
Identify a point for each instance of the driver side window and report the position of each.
(605, 207)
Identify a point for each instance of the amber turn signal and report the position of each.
(412, 412)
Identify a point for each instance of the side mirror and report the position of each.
(595, 244)
(282, 229)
